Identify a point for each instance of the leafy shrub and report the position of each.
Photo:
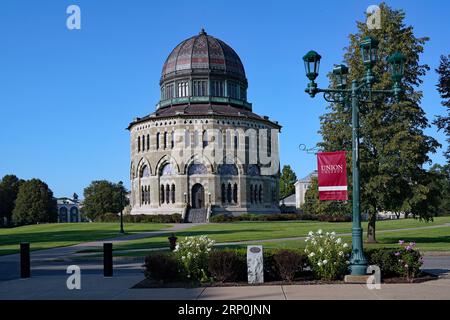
(162, 266)
(192, 253)
(409, 260)
(255, 217)
(385, 259)
(404, 262)
(141, 218)
(327, 255)
(288, 263)
(227, 265)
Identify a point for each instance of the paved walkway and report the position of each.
(49, 279)
(118, 287)
(9, 264)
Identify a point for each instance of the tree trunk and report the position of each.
(371, 228)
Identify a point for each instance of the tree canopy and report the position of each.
(393, 145)
(34, 204)
(287, 182)
(102, 197)
(9, 188)
(443, 122)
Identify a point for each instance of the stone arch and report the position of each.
(166, 159)
(141, 164)
(235, 160)
(199, 160)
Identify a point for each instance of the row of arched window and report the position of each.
(229, 193)
(166, 140)
(256, 193)
(167, 194)
(203, 87)
(145, 195)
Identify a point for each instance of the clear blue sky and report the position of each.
(66, 97)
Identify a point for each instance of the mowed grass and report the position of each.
(436, 239)
(44, 236)
(248, 231)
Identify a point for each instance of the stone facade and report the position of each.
(200, 151)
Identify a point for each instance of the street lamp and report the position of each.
(121, 207)
(340, 73)
(360, 91)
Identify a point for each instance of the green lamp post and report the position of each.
(360, 91)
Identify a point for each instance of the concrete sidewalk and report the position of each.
(95, 286)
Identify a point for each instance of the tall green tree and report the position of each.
(102, 197)
(393, 146)
(313, 205)
(443, 122)
(440, 189)
(34, 204)
(287, 181)
(9, 188)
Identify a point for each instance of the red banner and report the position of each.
(332, 178)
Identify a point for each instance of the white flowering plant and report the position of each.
(327, 254)
(192, 253)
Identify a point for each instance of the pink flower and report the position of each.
(397, 254)
(412, 244)
(408, 248)
(401, 242)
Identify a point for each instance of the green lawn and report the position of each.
(45, 236)
(244, 231)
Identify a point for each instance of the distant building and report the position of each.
(68, 209)
(301, 186)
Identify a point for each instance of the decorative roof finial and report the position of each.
(202, 31)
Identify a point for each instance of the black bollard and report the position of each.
(25, 260)
(107, 260)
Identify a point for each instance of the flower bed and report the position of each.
(325, 260)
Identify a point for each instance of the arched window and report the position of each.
(220, 139)
(236, 140)
(168, 169)
(260, 193)
(145, 172)
(235, 193)
(205, 138)
(161, 194)
(142, 195)
(269, 142)
(251, 193)
(196, 139)
(172, 140)
(223, 192)
(157, 140)
(165, 140)
(143, 143)
(167, 193)
(139, 144)
(253, 170)
(255, 193)
(187, 139)
(173, 193)
(229, 193)
(63, 214)
(197, 168)
(227, 170)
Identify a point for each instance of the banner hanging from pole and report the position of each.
(332, 175)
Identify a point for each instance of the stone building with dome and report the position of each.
(203, 151)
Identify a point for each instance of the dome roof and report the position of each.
(203, 52)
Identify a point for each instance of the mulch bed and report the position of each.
(150, 283)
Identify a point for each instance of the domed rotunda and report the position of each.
(203, 151)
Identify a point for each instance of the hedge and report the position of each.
(140, 218)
